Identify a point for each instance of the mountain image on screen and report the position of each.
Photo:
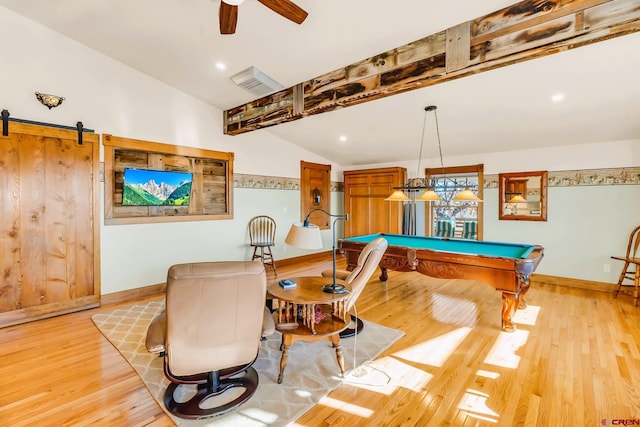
(155, 188)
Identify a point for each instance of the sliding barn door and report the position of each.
(49, 256)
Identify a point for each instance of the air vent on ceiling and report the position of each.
(256, 82)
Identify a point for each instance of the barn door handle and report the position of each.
(79, 126)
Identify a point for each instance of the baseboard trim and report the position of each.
(314, 257)
(573, 283)
(131, 294)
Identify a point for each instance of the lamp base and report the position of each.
(334, 288)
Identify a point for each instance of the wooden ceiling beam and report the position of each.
(523, 31)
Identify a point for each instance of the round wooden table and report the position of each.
(306, 313)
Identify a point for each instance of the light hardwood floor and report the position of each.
(574, 361)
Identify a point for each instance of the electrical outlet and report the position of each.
(606, 268)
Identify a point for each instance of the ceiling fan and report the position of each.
(286, 8)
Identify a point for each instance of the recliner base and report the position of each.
(193, 408)
(349, 332)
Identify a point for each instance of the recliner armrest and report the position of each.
(156, 333)
(268, 325)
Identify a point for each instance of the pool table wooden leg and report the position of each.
(524, 288)
(509, 305)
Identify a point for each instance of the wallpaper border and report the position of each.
(568, 178)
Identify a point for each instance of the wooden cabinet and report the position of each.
(49, 225)
(516, 186)
(364, 194)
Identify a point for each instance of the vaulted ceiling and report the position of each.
(178, 42)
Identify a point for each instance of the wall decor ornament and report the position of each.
(48, 100)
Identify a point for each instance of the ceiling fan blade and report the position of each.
(228, 18)
(286, 8)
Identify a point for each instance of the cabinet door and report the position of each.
(365, 191)
(357, 207)
(48, 213)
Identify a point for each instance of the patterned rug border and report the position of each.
(273, 404)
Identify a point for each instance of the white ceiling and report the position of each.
(178, 42)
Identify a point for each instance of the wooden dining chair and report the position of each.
(631, 268)
(262, 233)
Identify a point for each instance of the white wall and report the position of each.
(110, 97)
(585, 226)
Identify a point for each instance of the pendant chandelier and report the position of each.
(415, 185)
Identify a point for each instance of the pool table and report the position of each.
(505, 266)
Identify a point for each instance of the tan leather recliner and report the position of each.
(210, 332)
(368, 261)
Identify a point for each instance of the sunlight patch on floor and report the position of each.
(503, 352)
(474, 404)
(346, 407)
(259, 415)
(435, 351)
(527, 316)
(387, 374)
(487, 374)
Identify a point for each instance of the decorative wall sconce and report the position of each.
(49, 101)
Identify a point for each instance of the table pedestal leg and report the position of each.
(286, 343)
(335, 340)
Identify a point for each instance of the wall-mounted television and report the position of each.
(145, 187)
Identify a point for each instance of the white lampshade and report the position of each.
(397, 196)
(466, 196)
(304, 237)
(429, 196)
(233, 2)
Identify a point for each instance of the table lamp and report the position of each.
(304, 235)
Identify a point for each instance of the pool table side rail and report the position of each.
(464, 246)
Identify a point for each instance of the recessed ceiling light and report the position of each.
(221, 66)
(343, 138)
(558, 97)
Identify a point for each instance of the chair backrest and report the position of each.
(445, 228)
(262, 231)
(634, 243)
(367, 263)
(214, 315)
(470, 230)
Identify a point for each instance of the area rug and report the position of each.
(311, 373)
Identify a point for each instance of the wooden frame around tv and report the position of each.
(212, 187)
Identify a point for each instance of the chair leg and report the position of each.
(623, 274)
(636, 283)
(268, 259)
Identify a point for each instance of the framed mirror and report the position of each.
(523, 196)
